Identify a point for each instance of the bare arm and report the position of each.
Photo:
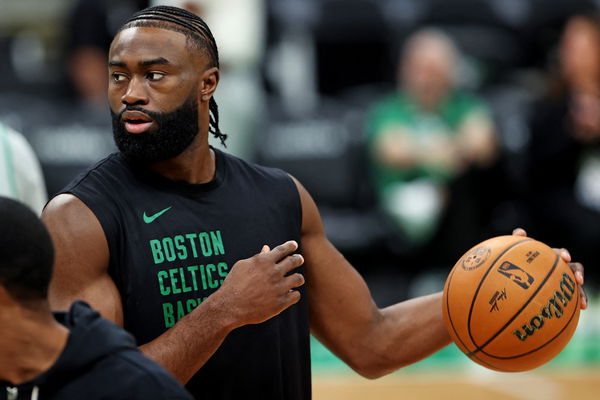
(475, 143)
(477, 140)
(81, 259)
(396, 148)
(81, 272)
(344, 317)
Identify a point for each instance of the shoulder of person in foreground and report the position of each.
(103, 361)
(81, 258)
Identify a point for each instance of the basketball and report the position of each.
(511, 303)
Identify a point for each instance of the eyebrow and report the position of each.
(145, 63)
(159, 60)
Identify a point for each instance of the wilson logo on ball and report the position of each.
(516, 274)
(554, 308)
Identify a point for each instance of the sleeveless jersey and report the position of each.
(172, 244)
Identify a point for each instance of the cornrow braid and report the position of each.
(213, 126)
(194, 27)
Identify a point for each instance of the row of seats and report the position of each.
(357, 41)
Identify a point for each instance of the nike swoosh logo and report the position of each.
(151, 218)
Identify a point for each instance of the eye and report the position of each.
(118, 77)
(154, 76)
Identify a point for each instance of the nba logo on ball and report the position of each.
(511, 303)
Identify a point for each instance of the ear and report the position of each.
(210, 80)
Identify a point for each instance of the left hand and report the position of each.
(575, 266)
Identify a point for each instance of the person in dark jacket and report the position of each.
(65, 355)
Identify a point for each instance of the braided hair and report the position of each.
(198, 34)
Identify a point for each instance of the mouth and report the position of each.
(136, 121)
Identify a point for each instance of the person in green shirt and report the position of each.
(426, 134)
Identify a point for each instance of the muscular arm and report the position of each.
(344, 317)
(81, 259)
(81, 272)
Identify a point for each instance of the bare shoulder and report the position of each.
(311, 219)
(81, 257)
(67, 217)
(63, 203)
(317, 250)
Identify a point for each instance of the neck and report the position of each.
(197, 163)
(30, 342)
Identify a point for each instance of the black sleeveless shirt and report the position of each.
(172, 244)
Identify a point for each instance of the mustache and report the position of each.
(152, 114)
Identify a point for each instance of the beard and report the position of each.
(174, 132)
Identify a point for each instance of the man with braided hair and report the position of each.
(202, 256)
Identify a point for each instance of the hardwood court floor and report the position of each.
(475, 384)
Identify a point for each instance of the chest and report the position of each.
(174, 251)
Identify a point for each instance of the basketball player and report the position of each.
(74, 355)
(219, 268)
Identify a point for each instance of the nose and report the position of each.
(135, 94)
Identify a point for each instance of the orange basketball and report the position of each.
(511, 303)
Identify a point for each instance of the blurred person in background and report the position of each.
(425, 136)
(66, 355)
(21, 177)
(239, 26)
(563, 153)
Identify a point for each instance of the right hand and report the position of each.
(258, 288)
